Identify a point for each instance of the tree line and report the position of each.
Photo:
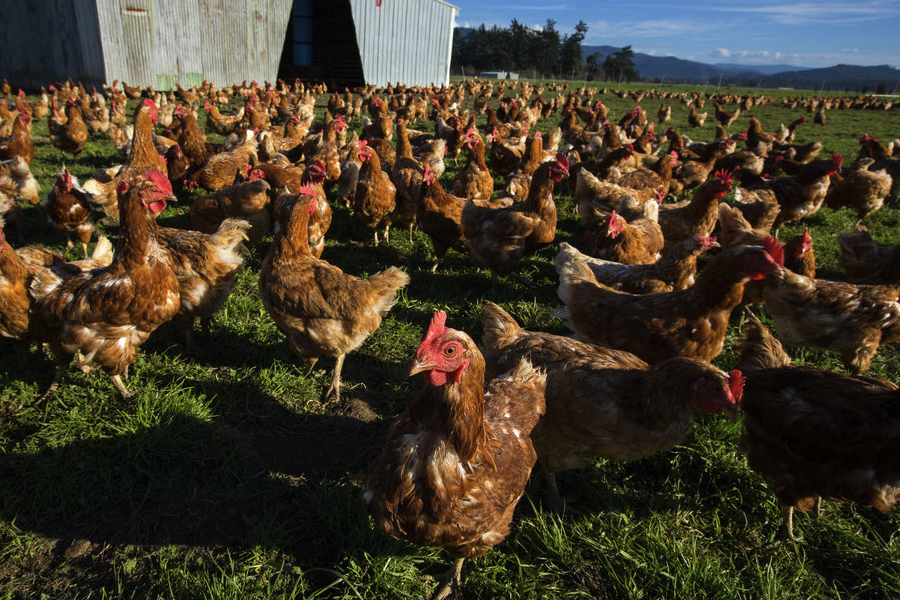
(541, 52)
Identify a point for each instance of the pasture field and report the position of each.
(227, 478)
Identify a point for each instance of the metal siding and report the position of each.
(143, 42)
(404, 41)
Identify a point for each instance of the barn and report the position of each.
(158, 42)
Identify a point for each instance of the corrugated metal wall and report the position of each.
(142, 42)
(159, 42)
(42, 41)
(406, 41)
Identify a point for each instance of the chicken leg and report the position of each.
(449, 581)
(335, 381)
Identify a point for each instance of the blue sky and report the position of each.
(803, 33)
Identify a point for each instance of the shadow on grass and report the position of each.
(198, 482)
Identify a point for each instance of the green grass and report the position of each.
(226, 477)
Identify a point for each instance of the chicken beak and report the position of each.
(418, 366)
(732, 413)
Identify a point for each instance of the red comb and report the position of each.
(775, 250)
(563, 160)
(838, 159)
(736, 383)
(308, 190)
(436, 328)
(159, 179)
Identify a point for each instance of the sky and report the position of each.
(801, 34)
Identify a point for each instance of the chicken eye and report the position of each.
(450, 351)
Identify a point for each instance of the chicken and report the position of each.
(870, 147)
(219, 123)
(142, 158)
(603, 402)
(695, 119)
(866, 261)
(803, 194)
(71, 136)
(793, 417)
(689, 322)
(17, 320)
(375, 196)
(222, 169)
(320, 309)
(68, 207)
(692, 172)
(725, 117)
(799, 256)
(245, 201)
(674, 270)
(501, 237)
(596, 199)
(853, 320)
(38, 256)
(106, 314)
(860, 189)
(697, 217)
(20, 142)
(638, 242)
(10, 212)
(474, 180)
(406, 176)
(27, 187)
(205, 266)
(457, 460)
(519, 181)
(819, 118)
(319, 220)
(191, 138)
(734, 229)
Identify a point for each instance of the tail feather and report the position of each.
(231, 233)
(103, 251)
(759, 349)
(571, 270)
(386, 285)
(500, 329)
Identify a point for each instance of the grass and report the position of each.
(227, 477)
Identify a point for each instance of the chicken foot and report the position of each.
(449, 581)
(54, 384)
(126, 395)
(335, 381)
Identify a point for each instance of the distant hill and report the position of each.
(670, 69)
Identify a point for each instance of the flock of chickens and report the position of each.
(646, 321)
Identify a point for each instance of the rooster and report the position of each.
(603, 402)
(457, 460)
(321, 309)
(104, 315)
